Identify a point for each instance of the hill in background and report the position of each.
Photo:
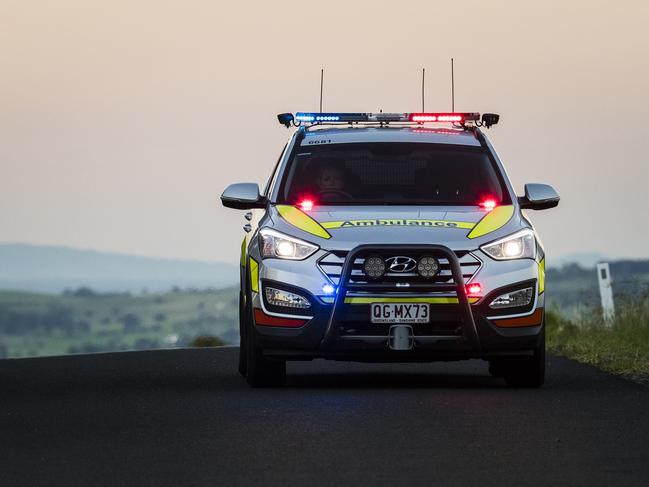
(50, 269)
(84, 321)
(575, 286)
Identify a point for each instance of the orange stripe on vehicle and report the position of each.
(263, 319)
(534, 319)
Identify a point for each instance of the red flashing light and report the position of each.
(306, 204)
(488, 204)
(436, 117)
(474, 289)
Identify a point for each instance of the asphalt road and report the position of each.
(185, 417)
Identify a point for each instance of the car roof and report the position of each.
(356, 134)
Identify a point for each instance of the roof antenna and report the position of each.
(423, 77)
(321, 84)
(452, 88)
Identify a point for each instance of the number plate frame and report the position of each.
(390, 313)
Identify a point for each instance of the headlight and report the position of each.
(277, 245)
(521, 245)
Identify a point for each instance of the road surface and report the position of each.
(185, 417)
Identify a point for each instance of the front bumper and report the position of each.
(463, 329)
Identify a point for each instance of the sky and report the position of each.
(122, 122)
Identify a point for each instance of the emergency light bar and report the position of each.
(308, 117)
(443, 117)
(488, 119)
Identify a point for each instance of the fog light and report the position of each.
(428, 266)
(513, 299)
(374, 266)
(279, 297)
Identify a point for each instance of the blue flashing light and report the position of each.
(304, 117)
(327, 118)
(330, 117)
(328, 289)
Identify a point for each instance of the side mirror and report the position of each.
(538, 197)
(243, 196)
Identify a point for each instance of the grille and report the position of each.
(332, 263)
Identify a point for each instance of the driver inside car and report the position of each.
(331, 183)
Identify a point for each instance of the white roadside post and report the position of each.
(606, 292)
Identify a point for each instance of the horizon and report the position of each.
(565, 259)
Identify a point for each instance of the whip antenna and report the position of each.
(423, 78)
(452, 88)
(321, 84)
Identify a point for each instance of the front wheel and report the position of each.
(260, 371)
(527, 372)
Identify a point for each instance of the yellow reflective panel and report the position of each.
(492, 221)
(542, 276)
(254, 275)
(301, 220)
(438, 300)
(243, 252)
(398, 222)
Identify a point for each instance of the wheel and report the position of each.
(529, 371)
(263, 372)
(260, 371)
(242, 336)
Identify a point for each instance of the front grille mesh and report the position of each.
(332, 263)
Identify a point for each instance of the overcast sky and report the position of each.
(122, 122)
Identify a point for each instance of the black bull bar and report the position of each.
(469, 331)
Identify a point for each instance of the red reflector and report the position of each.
(488, 204)
(474, 289)
(436, 117)
(306, 205)
(263, 319)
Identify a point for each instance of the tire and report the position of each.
(242, 336)
(529, 371)
(263, 372)
(260, 371)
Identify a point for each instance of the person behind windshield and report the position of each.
(331, 183)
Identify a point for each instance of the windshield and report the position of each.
(392, 174)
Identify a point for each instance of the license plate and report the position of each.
(400, 312)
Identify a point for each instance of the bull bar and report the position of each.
(469, 331)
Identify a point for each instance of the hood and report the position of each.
(345, 227)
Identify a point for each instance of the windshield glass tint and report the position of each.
(392, 173)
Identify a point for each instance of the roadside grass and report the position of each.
(621, 347)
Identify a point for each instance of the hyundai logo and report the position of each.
(401, 263)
